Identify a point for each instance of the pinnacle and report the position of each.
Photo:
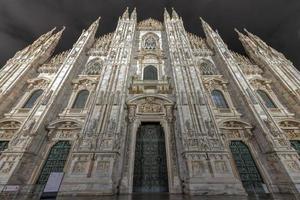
(238, 32)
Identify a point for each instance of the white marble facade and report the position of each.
(203, 95)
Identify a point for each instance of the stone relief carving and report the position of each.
(8, 129)
(103, 168)
(273, 129)
(221, 167)
(39, 83)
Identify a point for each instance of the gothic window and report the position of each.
(150, 73)
(33, 98)
(207, 68)
(150, 43)
(93, 68)
(81, 99)
(219, 99)
(249, 174)
(296, 145)
(3, 146)
(55, 161)
(266, 98)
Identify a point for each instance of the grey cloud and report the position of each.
(275, 21)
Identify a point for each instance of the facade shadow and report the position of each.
(165, 196)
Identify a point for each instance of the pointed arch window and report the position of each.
(296, 145)
(219, 99)
(81, 99)
(249, 173)
(3, 146)
(266, 98)
(150, 73)
(56, 160)
(33, 98)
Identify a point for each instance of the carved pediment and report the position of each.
(64, 129)
(291, 128)
(39, 82)
(213, 81)
(65, 124)
(10, 125)
(289, 124)
(235, 124)
(85, 82)
(150, 105)
(258, 82)
(8, 128)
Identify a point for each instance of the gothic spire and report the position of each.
(247, 43)
(133, 14)
(126, 14)
(166, 14)
(206, 27)
(174, 14)
(241, 35)
(92, 28)
(94, 25)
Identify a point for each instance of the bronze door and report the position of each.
(150, 165)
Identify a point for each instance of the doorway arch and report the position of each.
(157, 109)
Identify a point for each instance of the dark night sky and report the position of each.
(275, 21)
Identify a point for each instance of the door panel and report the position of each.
(246, 166)
(150, 166)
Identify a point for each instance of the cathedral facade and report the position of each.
(150, 108)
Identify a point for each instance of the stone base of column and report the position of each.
(214, 188)
(87, 189)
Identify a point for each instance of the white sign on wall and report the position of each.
(11, 188)
(54, 182)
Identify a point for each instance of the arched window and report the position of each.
(150, 73)
(81, 99)
(55, 161)
(3, 146)
(266, 98)
(32, 99)
(150, 43)
(296, 145)
(249, 173)
(219, 99)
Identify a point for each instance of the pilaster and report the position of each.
(202, 147)
(20, 162)
(271, 139)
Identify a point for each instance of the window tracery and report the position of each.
(150, 41)
(93, 67)
(207, 68)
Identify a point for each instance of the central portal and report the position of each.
(150, 164)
